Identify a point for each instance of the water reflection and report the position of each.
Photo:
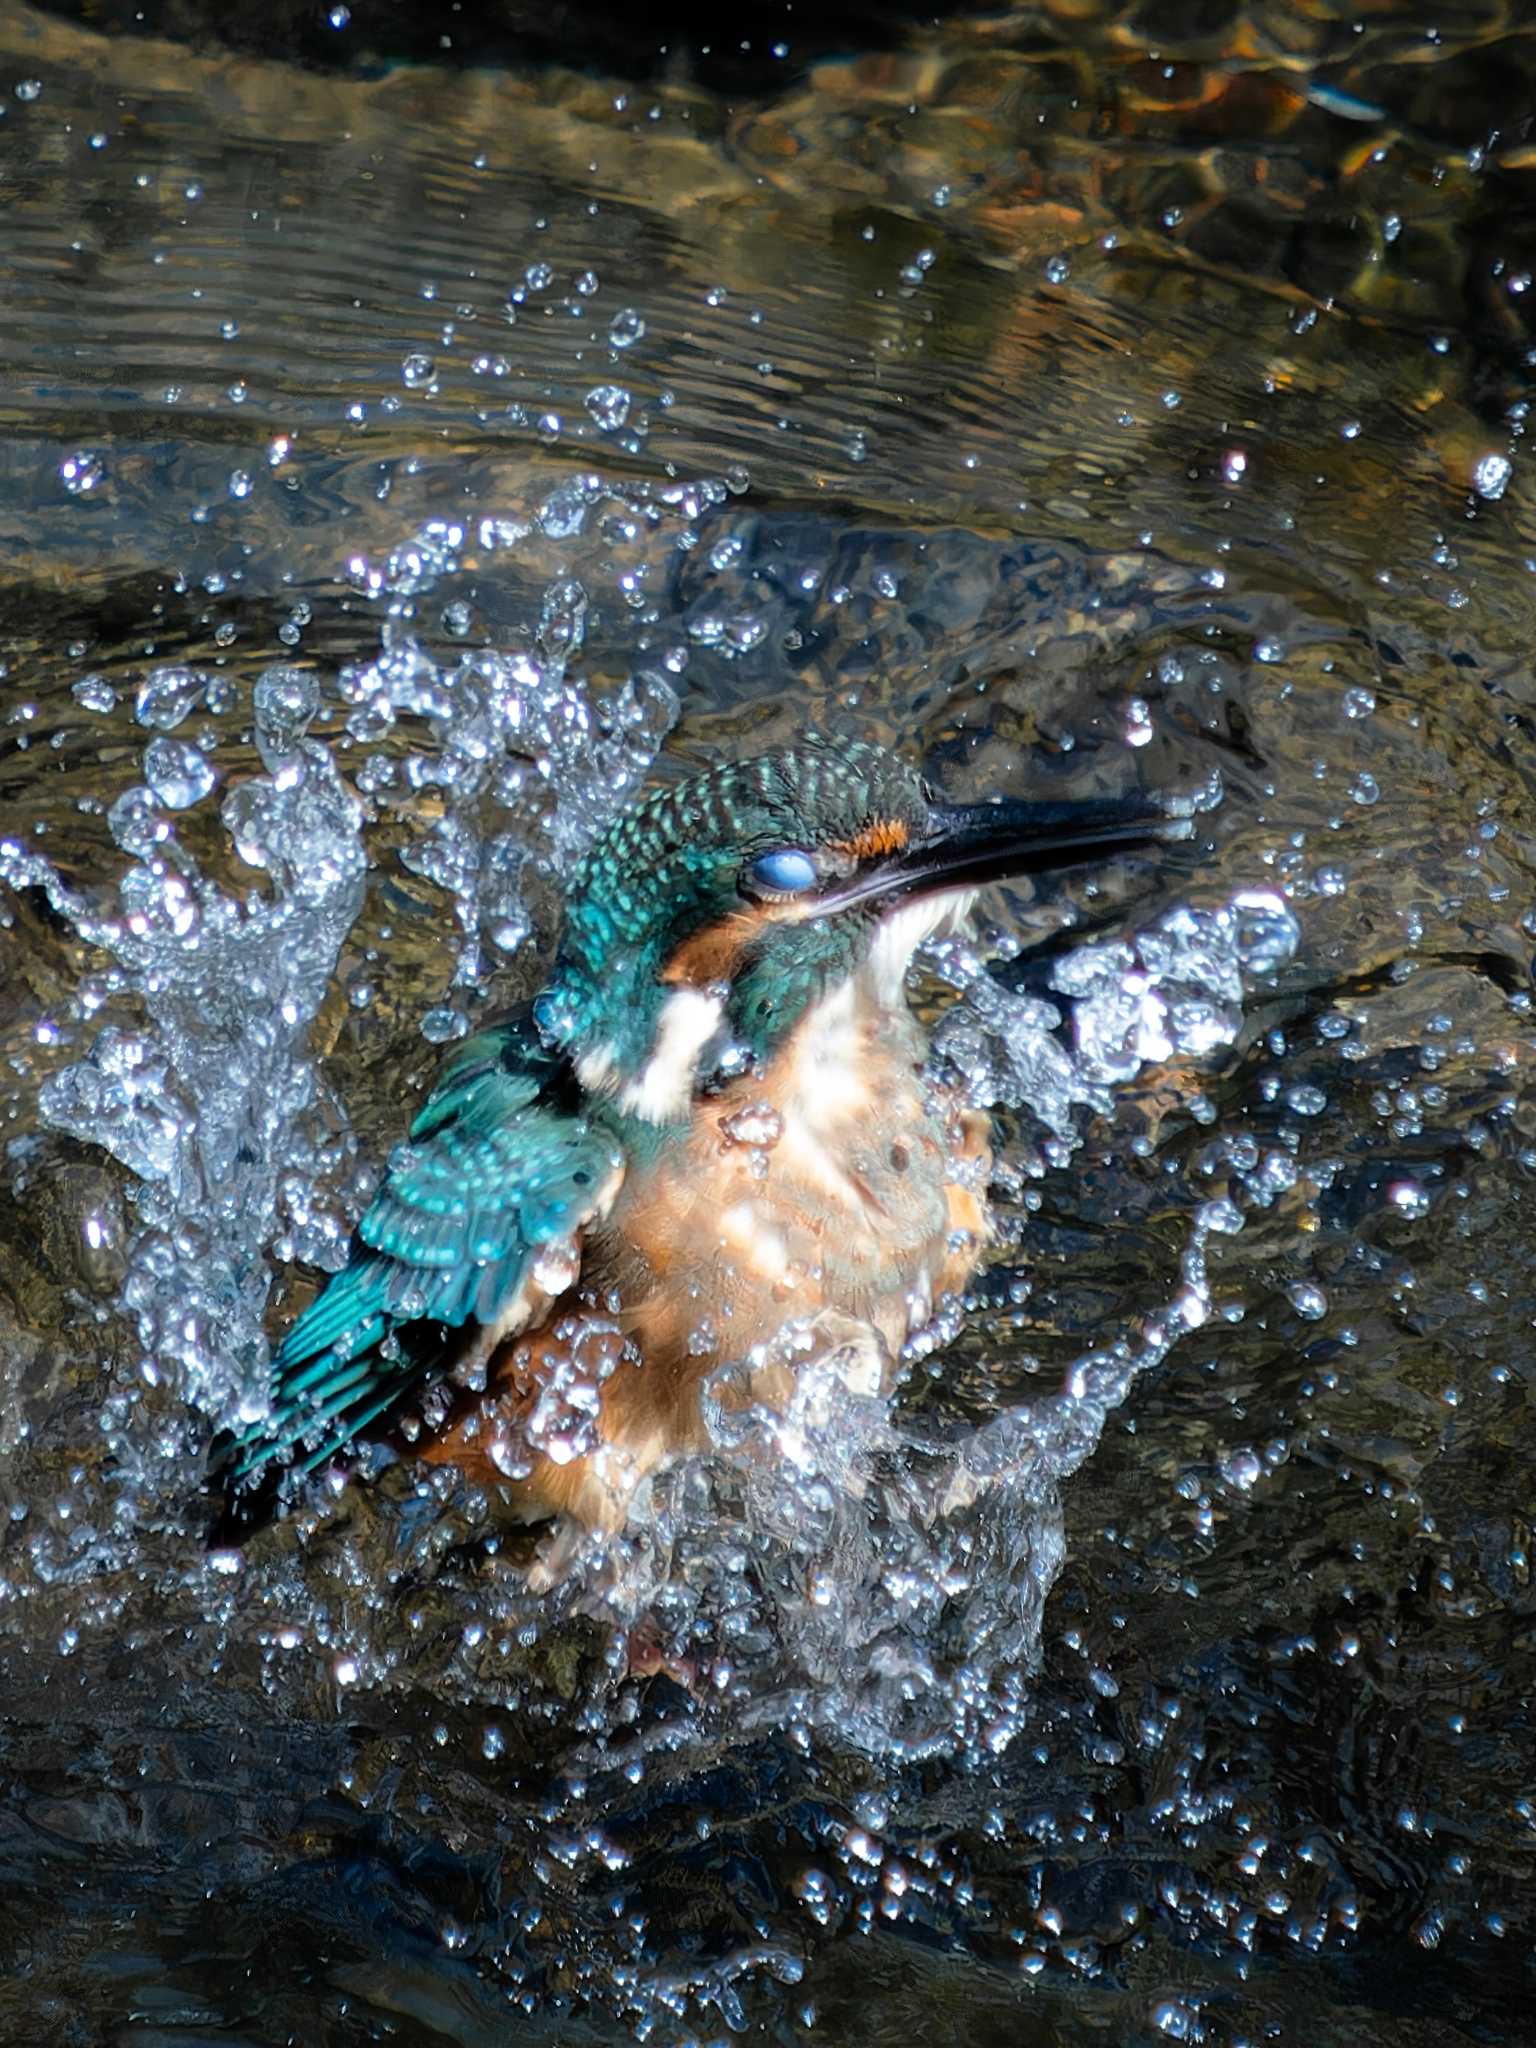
(1133, 393)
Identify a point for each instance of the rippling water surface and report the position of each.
(411, 444)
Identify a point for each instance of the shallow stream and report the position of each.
(413, 442)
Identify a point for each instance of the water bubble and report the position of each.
(1306, 1100)
(167, 695)
(609, 405)
(418, 371)
(239, 483)
(339, 16)
(178, 774)
(538, 277)
(1491, 474)
(28, 89)
(625, 328)
(1359, 703)
(1309, 1302)
(81, 471)
(1365, 789)
(1057, 270)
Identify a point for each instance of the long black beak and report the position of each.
(967, 845)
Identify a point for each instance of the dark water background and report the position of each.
(1068, 393)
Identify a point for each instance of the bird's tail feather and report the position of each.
(345, 1362)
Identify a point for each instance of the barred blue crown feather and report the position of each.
(499, 1164)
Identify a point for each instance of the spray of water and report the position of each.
(848, 1565)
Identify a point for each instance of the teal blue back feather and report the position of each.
(500, 1162)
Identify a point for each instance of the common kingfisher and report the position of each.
(712, 1122)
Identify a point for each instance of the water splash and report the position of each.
(873, 1572)
(870, 1571)
(200, 1077)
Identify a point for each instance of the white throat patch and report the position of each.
(662, 1091)
(903, 930)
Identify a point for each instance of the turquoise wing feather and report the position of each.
(500, 1163)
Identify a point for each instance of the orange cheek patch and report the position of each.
(713, 953)
(885, 835)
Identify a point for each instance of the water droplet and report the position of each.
(1491, 474)
(1267, 934)
(440, 1026)
(625, 328)
(339, 16)
(1359, 703)
(1173, 2018)
(609, 405)
(28, 89)
(166, 695)
(81, 471)
(418, 371)
(1309, 1302)
(136, 825)
(1365, 789)
(94, 693)
(178, 774)
(285, 701)
(1057, 270)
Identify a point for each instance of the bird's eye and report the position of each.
(787, 871)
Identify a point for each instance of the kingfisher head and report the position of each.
(707, 921)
